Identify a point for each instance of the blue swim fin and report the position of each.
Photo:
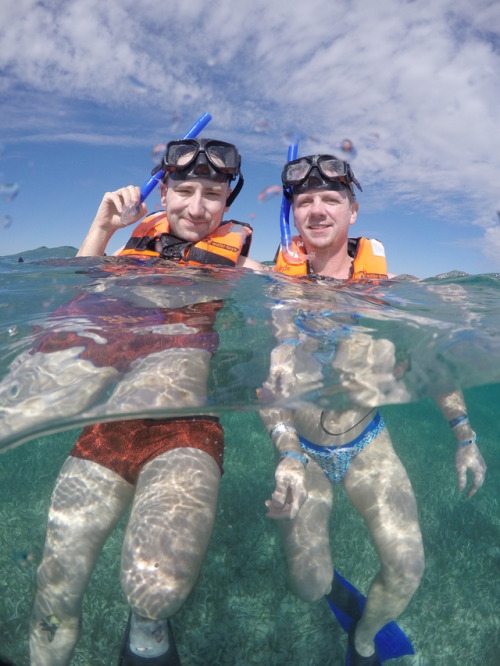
(347, 604)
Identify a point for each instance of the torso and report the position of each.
(331, 427)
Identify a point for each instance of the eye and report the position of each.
(183, 191)
(332, 200)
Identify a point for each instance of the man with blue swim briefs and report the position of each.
(318, 448)
(160, 343)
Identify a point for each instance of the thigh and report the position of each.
(46, 387)
(378, 486)
(306, 538)
(86, 504)
(170, 379)
(169, 527)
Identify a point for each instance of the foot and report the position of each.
(354, 658)
(345, 601)
(135, 656)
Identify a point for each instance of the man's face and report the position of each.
(194, 207)
(323, 218)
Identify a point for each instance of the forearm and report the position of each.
(95, 242)
(279, 424)
(110, 217)
(467, 455)
(291, 488)
(454, 410)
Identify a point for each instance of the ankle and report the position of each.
(148, 638)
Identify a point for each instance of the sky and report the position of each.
(89, 88)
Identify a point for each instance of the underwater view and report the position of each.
(424, 338)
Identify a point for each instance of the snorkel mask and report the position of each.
(317, 172)
(203, 158)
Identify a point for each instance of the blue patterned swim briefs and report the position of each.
(335, 460)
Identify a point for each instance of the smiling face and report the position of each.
(323, 218)
(194, 207)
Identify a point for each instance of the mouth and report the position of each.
(319, 226)
(196, 222)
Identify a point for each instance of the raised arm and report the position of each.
(109, 219)
(467, 455)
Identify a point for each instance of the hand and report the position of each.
(290, 492)
(120, 209)
(469, 458)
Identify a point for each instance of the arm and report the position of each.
(246, 262)
(467, 456)
(290, 491)
(109, 219)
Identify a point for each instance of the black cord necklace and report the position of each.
(335, 434)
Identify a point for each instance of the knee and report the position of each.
(155, 594)
(406, 570)
(311, 585)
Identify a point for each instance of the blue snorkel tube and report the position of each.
(287, 250)
(129, 212)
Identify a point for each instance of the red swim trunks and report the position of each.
(126, 446)
(116, 332)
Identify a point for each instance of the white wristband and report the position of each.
(279, 428)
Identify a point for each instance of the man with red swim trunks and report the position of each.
(169, 469)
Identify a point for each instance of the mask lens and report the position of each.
(332, 168)
(296, 172)
(181, 154)
(223, 156)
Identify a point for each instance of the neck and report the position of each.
(335, 265)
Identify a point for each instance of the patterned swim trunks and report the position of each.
(126, 446)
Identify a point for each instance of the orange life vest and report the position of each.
(368, 259)
(223, 247)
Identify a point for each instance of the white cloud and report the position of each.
(492, 242)
(415, 85)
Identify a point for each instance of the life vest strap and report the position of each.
(200, 256)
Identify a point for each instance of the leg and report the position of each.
(378, 486)
(44, 388)
(168, 532)
(306, 539)
(170, 379)
(169, 529)
(87, 502)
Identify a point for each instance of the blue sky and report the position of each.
(89, 88)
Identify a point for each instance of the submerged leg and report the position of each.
(378, 486)
(166, 540)
(306, 539)
(87, 502)
(46, 388)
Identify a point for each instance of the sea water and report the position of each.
(443, 334)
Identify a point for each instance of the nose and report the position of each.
(195, 205)
(317, 207)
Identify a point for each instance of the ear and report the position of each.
(354, 211)
(229, 190)
(163, 194)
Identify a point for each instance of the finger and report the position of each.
(462, 478)
(277, 511)
(299, 496)
(478, 482)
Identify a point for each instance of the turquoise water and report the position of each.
(445, 335)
